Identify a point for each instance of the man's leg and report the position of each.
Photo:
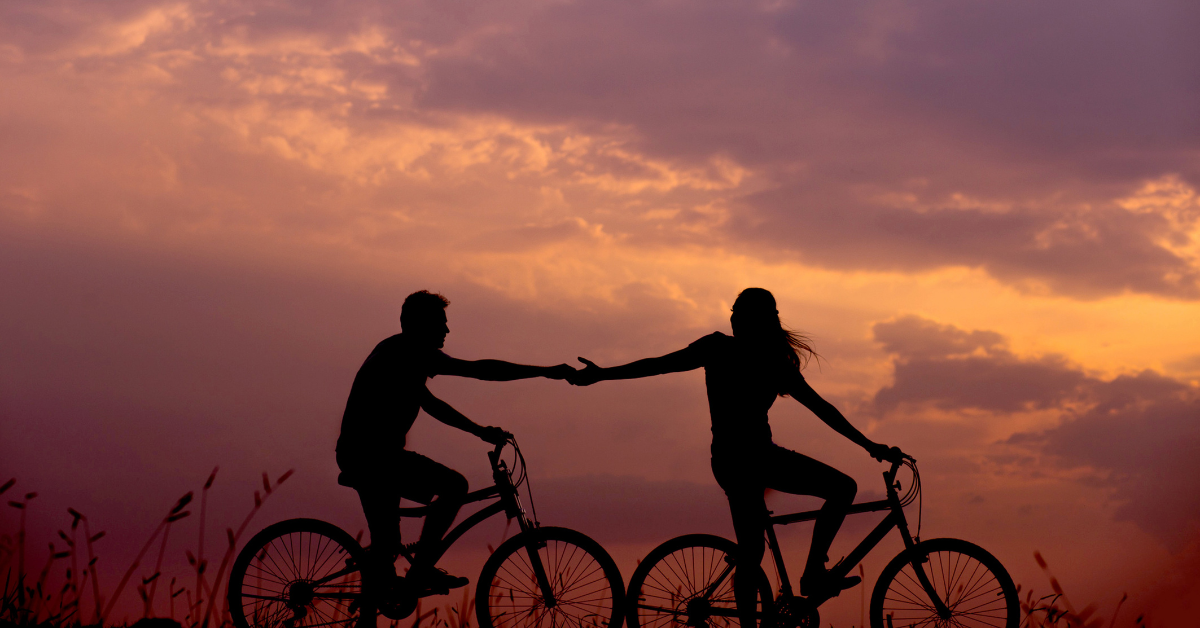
(381, 506)
(444, 490)
(791, 472)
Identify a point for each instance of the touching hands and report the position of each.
(562, 371)
(586, 376)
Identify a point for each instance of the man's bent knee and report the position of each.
(452, 488)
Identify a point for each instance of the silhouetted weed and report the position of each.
(27, 603)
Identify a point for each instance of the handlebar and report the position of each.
(914, 486)
(514, 477)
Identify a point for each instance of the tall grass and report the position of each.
(1055, 610)
(25, 601)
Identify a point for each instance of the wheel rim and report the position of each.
(582, 593)
(301, 580)
(973, 594)
(673, 591)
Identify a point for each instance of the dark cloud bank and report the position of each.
(1008, 128)
(1139, 433)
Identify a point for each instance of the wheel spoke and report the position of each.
(295, 574)
(971, 583)
(584, 589)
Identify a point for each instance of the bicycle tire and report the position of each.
(585, 581)
(977, 589)
(279, 579)
(666, 590)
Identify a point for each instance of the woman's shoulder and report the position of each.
(713, 341)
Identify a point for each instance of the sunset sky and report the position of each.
(984, 213)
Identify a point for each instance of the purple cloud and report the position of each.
(1138, 434)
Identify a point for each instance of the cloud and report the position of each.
(1138, 434)
(1080, 253)
(888, 136)
(1143, 437)
(1015, 138)
(954, 369)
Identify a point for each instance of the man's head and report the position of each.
(423, 318)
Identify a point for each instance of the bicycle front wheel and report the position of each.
(688, 581)
(586, 589)
(975, 588)
(299, 573)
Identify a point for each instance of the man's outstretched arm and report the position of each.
(501, 371)
(443, 412)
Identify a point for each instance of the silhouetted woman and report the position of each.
(744, 373)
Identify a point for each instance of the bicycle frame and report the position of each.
(507, 501)
(894, 519)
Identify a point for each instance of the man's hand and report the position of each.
(883, 453)
(562, 371)
(494, 435)
(586, 376)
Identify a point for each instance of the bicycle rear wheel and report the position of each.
(688, 581)
(586, 586)
(972, 583)
(299, 573)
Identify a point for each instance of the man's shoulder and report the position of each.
(398, 351)
(400, 344)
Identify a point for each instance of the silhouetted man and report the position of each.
(387, 394)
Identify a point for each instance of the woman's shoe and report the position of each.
(822, 584)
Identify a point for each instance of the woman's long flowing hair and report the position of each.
(757, 308)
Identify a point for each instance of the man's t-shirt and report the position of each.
(385, 399)
(742, 386)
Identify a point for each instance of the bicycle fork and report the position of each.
(918, 563)
(529, 528)
(539, 572)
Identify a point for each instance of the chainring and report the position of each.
(795, 612)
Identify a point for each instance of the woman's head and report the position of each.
(755, 318)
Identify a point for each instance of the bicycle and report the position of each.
(304, 573)
(687, 581)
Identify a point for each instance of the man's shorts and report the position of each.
(405, 474)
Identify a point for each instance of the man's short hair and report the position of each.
(421, 306)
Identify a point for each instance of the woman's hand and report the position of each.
(586, 376)
(883, 453)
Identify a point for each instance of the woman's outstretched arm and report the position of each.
(685, 359)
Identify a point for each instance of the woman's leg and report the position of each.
(748, 513)
(748, 508)
(795, 473)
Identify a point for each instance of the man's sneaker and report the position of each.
(824, 585)
(435, 579)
